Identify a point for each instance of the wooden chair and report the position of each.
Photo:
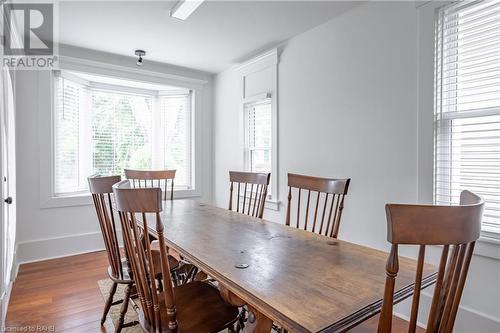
(245, 181)
(333, 192)
(193, 307)
(456, 228)
(152, 178)
(118, 271)
(253, 206)
(160, 179)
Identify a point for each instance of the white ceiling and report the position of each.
(217, 35)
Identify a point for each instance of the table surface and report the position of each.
(301, 280)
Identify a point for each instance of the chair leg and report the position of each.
(124, 308)
(242, 318)
(107, 306)
(160, 284)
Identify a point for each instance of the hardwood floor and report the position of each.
(63, 293)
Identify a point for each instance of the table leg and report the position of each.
(257, 322)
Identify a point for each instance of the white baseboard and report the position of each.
(44, 249)
(468, 320)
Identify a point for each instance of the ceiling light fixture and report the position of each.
(140, 54)
(183, 8)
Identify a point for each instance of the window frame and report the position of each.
(261, 99)
(272, 201)
(265, 61)
(443, 119)
(46, 131)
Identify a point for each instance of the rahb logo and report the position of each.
(28, 30)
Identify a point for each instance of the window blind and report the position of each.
(467, 106)
(68, 102)
(104, 128)
(258, 134)
(176, 126)
(121, 132)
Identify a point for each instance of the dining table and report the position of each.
(299, 280)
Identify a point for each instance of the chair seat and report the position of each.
(155, 246)
(172, 262)
(184, 268)
(199, 309)
(125, 278)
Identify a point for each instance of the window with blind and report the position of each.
(258, 136)
(467, 106)
(103, 128)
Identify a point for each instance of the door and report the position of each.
(8, 180)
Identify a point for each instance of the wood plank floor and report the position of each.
(63, 293)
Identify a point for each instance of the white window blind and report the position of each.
(467, 106)
(105, 130)
(121, 132)
(69, 100)
(258, 136)
(176, 124)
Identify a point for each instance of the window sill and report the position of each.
(269, 204)
(488, 245)
(86, 199)
(272, 205)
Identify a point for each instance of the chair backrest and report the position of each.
(152, 178)
(145, 204)
(456, 228)
(101, 190)
(327, 193)
(247, 181)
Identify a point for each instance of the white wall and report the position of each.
(53, 232)
(347, 100)
(355, 100)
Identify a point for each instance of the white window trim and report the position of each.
(261, 62)
(254, 100)
(45, 126)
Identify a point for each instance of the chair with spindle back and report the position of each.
(192, 307)
(118, 271)
(333, 192)
(254, 205)
(152, 178)
(456, 228)
(159, 179)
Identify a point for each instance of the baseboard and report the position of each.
(468, 320)
(44, 249)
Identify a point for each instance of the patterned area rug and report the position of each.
(114, 312)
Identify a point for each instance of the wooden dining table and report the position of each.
(299, 280)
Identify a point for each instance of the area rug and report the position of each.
(114, 312)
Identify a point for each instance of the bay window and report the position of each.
(103, 125)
